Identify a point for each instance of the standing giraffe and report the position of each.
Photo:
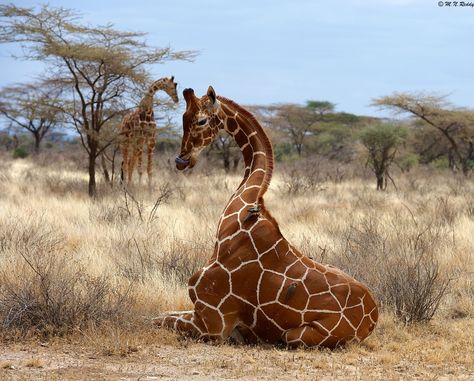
(258, 287)
(138, 129)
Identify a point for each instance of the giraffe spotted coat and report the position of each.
(256, 286)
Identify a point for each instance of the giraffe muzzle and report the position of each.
(181, 163)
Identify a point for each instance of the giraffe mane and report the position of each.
(265, 140)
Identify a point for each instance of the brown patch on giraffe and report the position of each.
(229, 227)
(255, 178)
(246, 281)
(247, 153)
(309, 334)
(194, 278)
(240, 246)
(235, 205)
(213, 286)
(294, 295)
(266, 329)
(365, 328)
(227, 110)
(269, 286)
(306, 261)
(282, 315)
(356, 314)
(335, 278)
(328, 320)
(297, 270)
(249, 195)
(240, 136)
(315, 282)
(340, 292)
(232, 126)
(241, 255)
(210, 317)
(276, 260)
(323, 302)
(192, 295)
(344, 330)
(260, 235)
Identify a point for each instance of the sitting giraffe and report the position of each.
(257, 287)
(138, 129)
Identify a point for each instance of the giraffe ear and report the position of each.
(211, 94)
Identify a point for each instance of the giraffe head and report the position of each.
(168, 85)
(201, 123)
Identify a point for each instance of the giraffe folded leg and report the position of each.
(312, 335)
(306, 336)
(192, 324)
(186, 323)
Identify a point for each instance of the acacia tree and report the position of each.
(455, 126)
(32, 107)
(296, 121)
(381, 142)
(96, 65)
(226, 149)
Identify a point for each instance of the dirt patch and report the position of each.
(164, 357)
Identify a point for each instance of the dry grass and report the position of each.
(108, 263)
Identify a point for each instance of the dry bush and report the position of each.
(139, 256)
(58, 186)
(128, 206)
(398, 260)
(43, 287)
(301, 181)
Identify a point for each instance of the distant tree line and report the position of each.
(95, 74)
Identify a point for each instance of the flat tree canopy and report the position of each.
(381, 142)
(32, 107)
(455, 125)
(98, 65)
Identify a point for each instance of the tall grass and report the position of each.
(67, 261)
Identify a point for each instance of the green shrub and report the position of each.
(20, 153)
(408, 161)
(440, 163)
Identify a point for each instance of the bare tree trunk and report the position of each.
(380, 181)
(92, 157)
(37, 137)
(235, 163)
(299, 149)
(16, 143)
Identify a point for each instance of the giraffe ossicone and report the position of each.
(257, 287)
(138, 129)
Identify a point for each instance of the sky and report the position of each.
(274, 51)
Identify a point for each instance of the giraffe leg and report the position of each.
(140, 162)
(210, 326)
(132, 161)
(150, 150)
(186, 323)
(125, 158)
(309, 335)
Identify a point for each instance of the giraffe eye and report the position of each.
(202, 121)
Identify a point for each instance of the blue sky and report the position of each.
(274, 51)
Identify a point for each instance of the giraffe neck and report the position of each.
(255, 147)
(147, 101)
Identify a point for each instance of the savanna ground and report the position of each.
(80, 279)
